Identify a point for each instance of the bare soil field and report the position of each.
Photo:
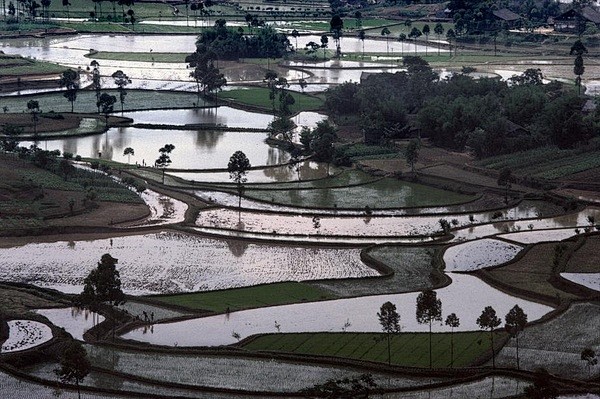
(22, 198)
(69, 121)
(20, 300)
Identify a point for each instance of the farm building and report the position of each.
(571, 20)
(505, 15)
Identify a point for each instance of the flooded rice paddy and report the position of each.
(232, 372)
(333, 315)
(478, 254)
(174, 262)
(194, 149)
(534, 237)
(25, 334)
(224, 116)
(391, 226)
(75, 321)
(271, 174)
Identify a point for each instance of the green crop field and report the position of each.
(407, 349)
(86, 101)
(548, 162)
(259, 97)
(247, 298)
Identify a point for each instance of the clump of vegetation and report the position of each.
(486, 116)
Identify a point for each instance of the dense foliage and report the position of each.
(474, 16)
(487, 116)
(231, 44)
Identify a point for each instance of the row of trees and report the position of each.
(70, 80)
(429, 310)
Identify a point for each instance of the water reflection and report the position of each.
(330, 315)
(194, 149)
(74, 320)
(225, 116)
(147, 263)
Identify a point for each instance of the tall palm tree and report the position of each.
(438, 29)
(426, 31)
(361, 37)
(386, 33)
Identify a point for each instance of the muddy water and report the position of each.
(332, 315)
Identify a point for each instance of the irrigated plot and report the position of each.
(478, 254)
(557, 344)
(412, 271)
(244, 373)
(171, 262)
(25, 334)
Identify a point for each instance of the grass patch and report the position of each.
(414, 270)
(407, 349)
(248, 297)
(19, 66)
(360, 151)
(586, 258)
(259, 97)
(532, 272)
(86, 101)
(82, 9)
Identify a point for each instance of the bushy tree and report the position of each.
(106, 103)
(488, 320)
(453, 322)
(429, 309)
(515, 321)
(207, 76)
(390, 323)
(10, 141)
(121, 80)
(69, 79)
(238, 167)
(103, 284)
(74, 365)
(164, 159)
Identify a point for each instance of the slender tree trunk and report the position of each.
(518, 365)
(493, 350)
(452, 348)
(430, 358)
(389, 350)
